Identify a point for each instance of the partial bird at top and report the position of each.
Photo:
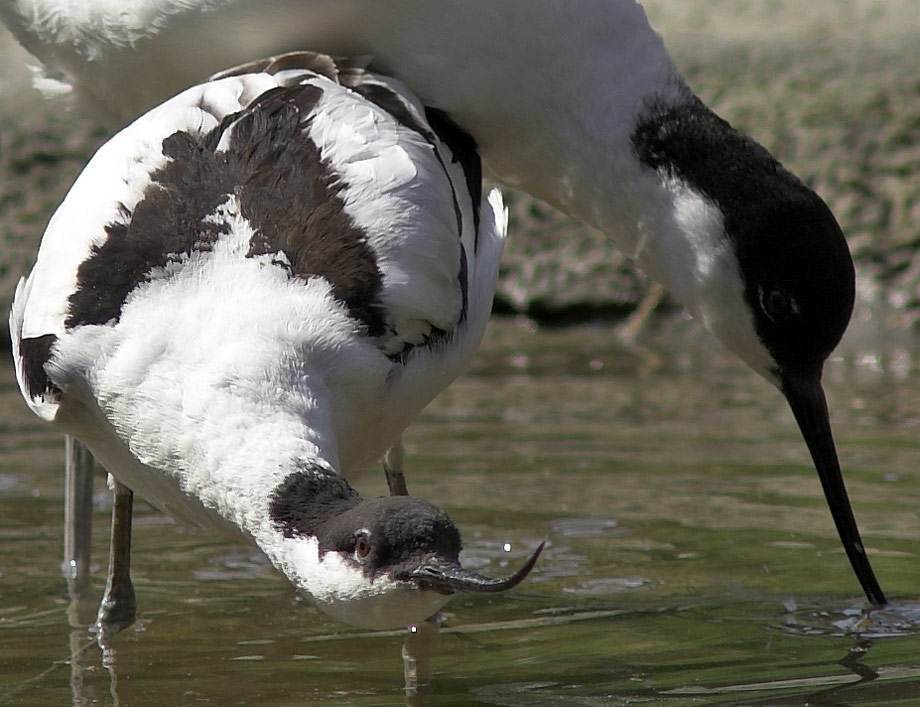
(576, 103)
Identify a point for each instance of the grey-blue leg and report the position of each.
(78, 515)
(119, 605)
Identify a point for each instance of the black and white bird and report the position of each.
(249, 293)
(577, 103)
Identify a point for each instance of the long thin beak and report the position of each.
(806, 398)
(450, 578)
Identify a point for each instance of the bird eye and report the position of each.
(776, 304)
(362, 546)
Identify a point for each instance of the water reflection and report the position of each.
(690, 554)
(88, 685)
(95, 663)
(900, 618)
(418, 649)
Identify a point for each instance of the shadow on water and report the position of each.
(690, 556)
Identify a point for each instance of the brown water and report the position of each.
(690, 558)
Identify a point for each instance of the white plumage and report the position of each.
(206, 351)
(577, 103)
(550, 92)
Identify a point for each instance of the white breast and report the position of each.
(211, 333)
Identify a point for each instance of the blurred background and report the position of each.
(831, 87)
(690, 559)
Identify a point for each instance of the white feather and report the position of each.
(222, 373)
(550, 91)
(568, 76)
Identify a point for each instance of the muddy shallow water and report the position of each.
(690, 556)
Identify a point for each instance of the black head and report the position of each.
(799, 280)
(397, 538)
(796, 272)
(387, 535)
(789, 264)
(409, 540)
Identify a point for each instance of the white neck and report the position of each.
(549, 90)
(341, 590)
(231, 439)
(236, 393)
(553, 111)
(682, 244)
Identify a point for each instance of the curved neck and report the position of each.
(553, 111)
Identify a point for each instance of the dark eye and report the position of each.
(362, 545)
(777, 304)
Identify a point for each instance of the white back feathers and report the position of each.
(267, 276)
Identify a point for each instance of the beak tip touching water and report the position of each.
(806, 398)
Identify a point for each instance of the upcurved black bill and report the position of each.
(806, 398)
(453, 578)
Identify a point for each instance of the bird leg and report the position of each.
(78, 516)
(629, 331)
(420, 644)
(119, 605)
(393, 468)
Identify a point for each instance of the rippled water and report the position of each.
(690, 558)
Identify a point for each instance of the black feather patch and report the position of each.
(34, 354)
(305, 501)
(465, 151)
(287, 193)
(291, 198)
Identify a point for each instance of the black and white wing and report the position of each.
(386, 211)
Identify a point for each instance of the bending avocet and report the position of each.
(248, 293)
(577, 103)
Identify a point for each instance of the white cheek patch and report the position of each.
(339, 587)
(701, 222)
(726, 314)
(716, 292)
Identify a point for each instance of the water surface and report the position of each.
(690, 559)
